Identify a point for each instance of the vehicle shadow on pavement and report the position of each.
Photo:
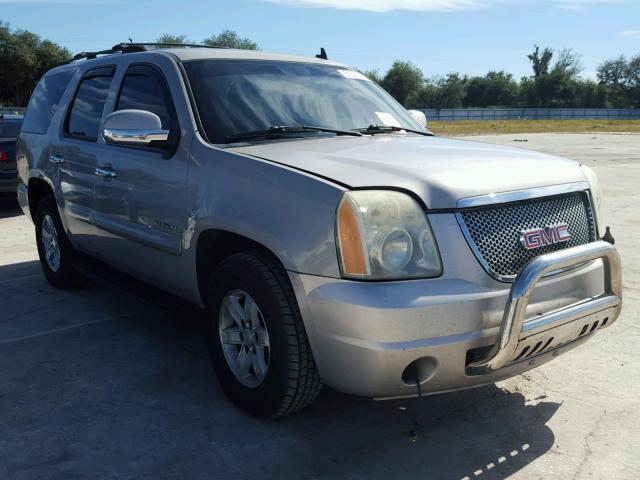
(9, 207)
(96, 383)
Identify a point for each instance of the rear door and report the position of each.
(142, 209)
(76, 153)
(41, 129)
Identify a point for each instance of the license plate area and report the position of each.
(541, 342)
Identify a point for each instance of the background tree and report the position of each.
(24, 58)
(633, 81)
(495, 89)
(373, 75)
(167, 38)
(230, 39)
(590, 94)
(555, 82)
(622, 79)
(540, 61)
(451, 90)
(402, 80)
(552, 86)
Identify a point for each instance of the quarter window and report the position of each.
(44, 102)
(86, 111)
(143, 88)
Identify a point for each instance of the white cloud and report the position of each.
(630, 33)
(580, 5)
(388, 5)
(430, 5)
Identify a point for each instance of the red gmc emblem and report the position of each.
(540, 237)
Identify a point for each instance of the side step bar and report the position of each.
(516, 328)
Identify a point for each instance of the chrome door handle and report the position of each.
(106, 172)
(56, 158)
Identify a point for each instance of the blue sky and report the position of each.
(440, 36)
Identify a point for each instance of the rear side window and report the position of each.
(85, 114)
(143, 88)
(45, 101)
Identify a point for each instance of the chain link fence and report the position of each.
(453, 114)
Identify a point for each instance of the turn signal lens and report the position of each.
(351, 249)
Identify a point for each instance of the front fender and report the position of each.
(291, 213)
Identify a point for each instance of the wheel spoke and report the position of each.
(231, 336)
(259, 368)
(235, 310)
(262, 339)
(251, 311)
(244, 362)
(51, 229)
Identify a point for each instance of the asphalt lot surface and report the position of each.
(98, 383)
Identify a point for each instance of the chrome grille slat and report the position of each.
(494, 231)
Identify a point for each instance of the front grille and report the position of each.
(494, 231)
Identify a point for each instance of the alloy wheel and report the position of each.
(244, 338)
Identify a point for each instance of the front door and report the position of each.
(140, 202)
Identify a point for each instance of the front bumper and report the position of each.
(454, 333)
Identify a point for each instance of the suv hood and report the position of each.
(440, 171)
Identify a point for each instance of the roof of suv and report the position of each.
(186, 54)
(197, 53)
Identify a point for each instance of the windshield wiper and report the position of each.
(279, 131)
(375, 128)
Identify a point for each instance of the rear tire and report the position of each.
(290, 381)
(56, 252)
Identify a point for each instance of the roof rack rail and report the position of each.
(178, 45)
(135, 47)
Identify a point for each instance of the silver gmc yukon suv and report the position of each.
(329, 236)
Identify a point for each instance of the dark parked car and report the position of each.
(9, 132)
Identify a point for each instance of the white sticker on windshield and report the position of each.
(353, 75)
(388, 119)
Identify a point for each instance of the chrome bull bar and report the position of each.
(515, 328)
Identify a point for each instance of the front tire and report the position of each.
(55, 251)
(257, 341)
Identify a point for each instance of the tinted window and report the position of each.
(86, 111)
(9, 130)
(143, 88)
(44, 102)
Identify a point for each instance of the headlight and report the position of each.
(385, 235)
(596, 197)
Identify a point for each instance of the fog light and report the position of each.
(422, 369)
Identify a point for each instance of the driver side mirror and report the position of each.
(134, 128)
(419, 117)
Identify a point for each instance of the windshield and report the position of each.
(237, 96)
